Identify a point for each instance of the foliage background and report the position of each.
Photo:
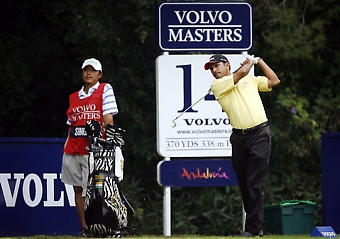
(44, 42)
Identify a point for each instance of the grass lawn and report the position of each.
(173, 236)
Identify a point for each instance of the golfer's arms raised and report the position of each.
(242, 71)
(273, 80)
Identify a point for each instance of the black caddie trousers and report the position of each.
(250, 159)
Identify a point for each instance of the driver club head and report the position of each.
(173, 124)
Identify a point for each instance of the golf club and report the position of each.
(174, 120)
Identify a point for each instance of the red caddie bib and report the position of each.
(80, 111)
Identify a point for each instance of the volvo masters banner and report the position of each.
(33, 200)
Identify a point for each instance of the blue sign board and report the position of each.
(325, 231)
(204, 26)
(331, 180)
(196, 173)
(33, 200)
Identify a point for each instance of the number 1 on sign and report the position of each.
(187, 90)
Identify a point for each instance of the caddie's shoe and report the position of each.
(84, 232)
(249, 234)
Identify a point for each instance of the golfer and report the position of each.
(238, 95)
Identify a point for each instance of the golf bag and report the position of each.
(106, 208)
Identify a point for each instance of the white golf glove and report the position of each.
(253, 59)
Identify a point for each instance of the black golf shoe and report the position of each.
(249, 234)
(84, 232)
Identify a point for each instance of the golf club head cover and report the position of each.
(93, 129)
(115, 134)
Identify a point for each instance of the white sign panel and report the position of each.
(204, 129)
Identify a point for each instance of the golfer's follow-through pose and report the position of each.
(238, 95)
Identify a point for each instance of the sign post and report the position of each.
(203, 129)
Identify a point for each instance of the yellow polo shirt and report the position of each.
(242, 102)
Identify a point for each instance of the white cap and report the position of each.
(94, 63)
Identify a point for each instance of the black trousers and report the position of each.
(250, 159)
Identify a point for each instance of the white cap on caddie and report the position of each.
(92, 62)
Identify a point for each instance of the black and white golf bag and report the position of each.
(106, 208)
